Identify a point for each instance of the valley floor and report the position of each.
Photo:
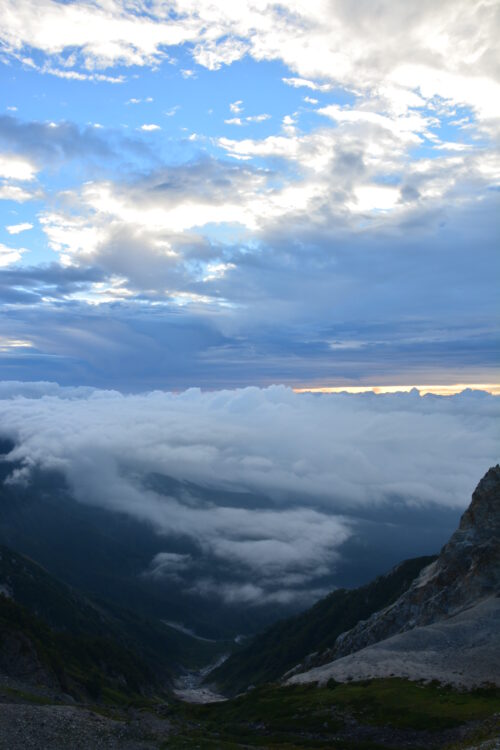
(372, 715)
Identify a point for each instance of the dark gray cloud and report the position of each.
(49, 144)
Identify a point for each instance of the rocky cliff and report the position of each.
(466, 573)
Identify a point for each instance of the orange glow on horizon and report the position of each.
(438, 390)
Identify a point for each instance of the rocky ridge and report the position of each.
(466, 572)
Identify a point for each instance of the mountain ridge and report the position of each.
(455, 599)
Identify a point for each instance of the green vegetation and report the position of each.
(84, 666)
(304, 716)
(287, 643)
(67, 611)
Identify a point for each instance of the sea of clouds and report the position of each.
(314, 462)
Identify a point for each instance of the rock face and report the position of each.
(462, 650)
(466, 572)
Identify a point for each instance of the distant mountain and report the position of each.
(57, 619)
(110, 555)
(446, 626)
(284, 644)
(106, 554)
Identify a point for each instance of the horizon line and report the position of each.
(437, 390)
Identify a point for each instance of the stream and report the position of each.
(189, 688)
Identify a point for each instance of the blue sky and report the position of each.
(228, 194)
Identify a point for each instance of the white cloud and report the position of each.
(149, 127)
(236, 107)
(169, 565)
(304, 83)
(340, 449)
(423, 49)
(7, 343)
(314, 459)
(15, 193)
(9, 255)
(374, 198)
(16, 168)
(18, 228)
(133, 100)
(258, 118)
(251, 118)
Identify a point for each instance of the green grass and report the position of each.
(25, 696)
(301, 716)
(410, 705)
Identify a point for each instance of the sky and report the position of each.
(221, 195)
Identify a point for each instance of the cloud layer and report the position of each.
(345, 232)
(313, 466)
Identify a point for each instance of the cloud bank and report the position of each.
(312, 464)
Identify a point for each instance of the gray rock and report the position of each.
(466, 572)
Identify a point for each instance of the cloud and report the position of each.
(46, 142)
(425, 48)
(9, 255)
(148, 127)
(168, 565)
(16, 194)
(236, 107)
(258, 118)
(16, 168)
(312, 465)
(133, 100)
(304, 83)
(8, 344)
(18, 228)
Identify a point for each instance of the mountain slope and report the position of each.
(455, 598)
(65, 611)
(280, 647)
(35, 655)
(462, 650)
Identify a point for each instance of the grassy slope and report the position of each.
(84, 666)
(305, 716)
(287, 643)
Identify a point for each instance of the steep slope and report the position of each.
(280, 647)
(462, 650)
(64, 610)
(455, 598)
(34, 655)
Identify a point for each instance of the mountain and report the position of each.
(111, 555)
(457, 589)
(108, 554)
(34, 655)
(283, 645)
(446, 625)
(80, 673)
(52, 618)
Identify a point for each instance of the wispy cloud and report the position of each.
(305, 83)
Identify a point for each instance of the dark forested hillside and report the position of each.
(288, 642)
(63, 615)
